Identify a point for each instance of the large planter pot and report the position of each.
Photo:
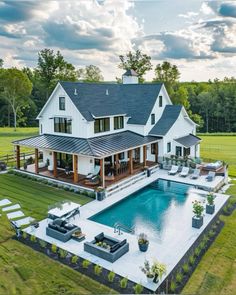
(210, 209)
(100, 195)
(143, 247)
(197, 222)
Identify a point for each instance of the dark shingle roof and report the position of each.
(134, 100)
(97, 146)
(168, 118)
(188, 140)
(130, 73)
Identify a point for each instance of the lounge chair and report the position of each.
(211, 175)
(184, 172)
(174, 170)
(196, 173)
(94, 173)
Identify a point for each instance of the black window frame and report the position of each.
(153, 148)
(168, 147)
(153, 119)
(118, 122)
(62, 104)
(102, 125)
(178, 151)
(160, 101)
(62, 125)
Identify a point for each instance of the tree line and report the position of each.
(212, 104)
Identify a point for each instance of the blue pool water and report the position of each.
(156, 209)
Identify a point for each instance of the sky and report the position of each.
(197, 36)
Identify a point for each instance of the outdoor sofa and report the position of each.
(107, 247)
(61, 229)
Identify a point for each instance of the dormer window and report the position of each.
(102, 125)
(160, 101)
(118, 122)
(153, 119)
(62, 104)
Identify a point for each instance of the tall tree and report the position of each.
(15, 89)
(53, 67)
(137, 61)
(1, 63)
(168, 74)
(90, 73)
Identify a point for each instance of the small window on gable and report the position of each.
(160, 101)
(168, 147)
(152, 119)
(41, 128)
(62, 104)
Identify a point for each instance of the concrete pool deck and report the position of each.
(168, 252)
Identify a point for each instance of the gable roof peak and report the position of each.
(130, 72)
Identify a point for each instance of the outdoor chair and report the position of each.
(211, 175)
(184, 172)
(196, 173)
(174, 170)
(94, 173)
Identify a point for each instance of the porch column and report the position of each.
(117, 161)
(102, 172)
(130, 162)
(144, 155)
(36, 160)
(18, 157)
(75, 168)
(156, 152)
(55, 164)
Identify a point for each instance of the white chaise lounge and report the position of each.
(196, 173)
(211, 175)
(174, 169)
(184, 172)
(94, 173)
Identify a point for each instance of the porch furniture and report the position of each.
(78, 236)
(94, 181)
(42, 164)
(174, 170)
(94, 173)
(184, 172)
(213, 166)
(50, 168)
(61, 229)
(211, 175)
(63, 210)
(196, 173)
(110, 177)
(107, 247)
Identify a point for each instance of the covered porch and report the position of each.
(116, 158)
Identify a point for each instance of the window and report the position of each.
(152, 119)
(62, 125)
(187, 152)
(160, 101)
(168, 147)
(62, 103)
(121, 156)
(102, 125)
(118, 122)
(153, 148)
(178, 151)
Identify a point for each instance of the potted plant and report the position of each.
(146, 269)
(197, 220)
(158, 269)
(210, 206)
(100, 193)
(143, 242)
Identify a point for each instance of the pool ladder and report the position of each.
(119, 226)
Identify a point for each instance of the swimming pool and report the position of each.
(158, 210)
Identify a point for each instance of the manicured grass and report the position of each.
(220, 148)
(216, 273)
(7, 135)
(23, 270)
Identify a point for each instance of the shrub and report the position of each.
(74, 259)
(185, 268)
(211, 233)
(92, 195)
(24, 235)
(66, 188)
(54, 184)
(54, 248)
(197, 251)
(72, 190)
(202, 245)
(123, 283)
(62, 253)
(205, 239)
(111, 276)
(138, 289)
(97, 269)
(179, 277)
(42, 243)
(172, 286)
(86, 263)
(191, 259)
(33, 238)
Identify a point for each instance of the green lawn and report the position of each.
(220, 148)
(216, 273)
(7, 135)
(25, 271)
